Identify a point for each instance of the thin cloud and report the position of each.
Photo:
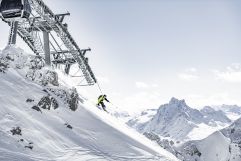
(190, 74)
(142, 85)
(200, 100)
(191, 70)
(154, 85)
(231, 74)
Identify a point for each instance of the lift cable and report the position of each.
(99, 87)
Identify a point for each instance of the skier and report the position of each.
(101, 100)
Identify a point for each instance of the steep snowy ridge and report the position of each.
(41, 119)
(234, 131)
(213, 148)
(223, 145)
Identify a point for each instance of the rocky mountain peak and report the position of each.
(178, 102)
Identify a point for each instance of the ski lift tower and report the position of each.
(46, 35)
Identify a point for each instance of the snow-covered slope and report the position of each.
(224, 145)
(40, 119)
(178, 121)
(139, 121)
(213, 148)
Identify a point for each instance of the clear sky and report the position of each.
(146, 51)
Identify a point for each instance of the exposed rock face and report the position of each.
(166, 144)
(54, 102)
(29, 147)
(69, 96)
(29, 100)
(46, 102)
(3, 65)
(37, 62)
(43, 77)
(37, 108)
(190, 151)
(73, 100)
(16, 131)
(52, 77)
(68, 126)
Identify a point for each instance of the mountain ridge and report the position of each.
(177, 120)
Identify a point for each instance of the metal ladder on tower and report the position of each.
(37, 42)
(12, 35)
(27, 37)
(65, 36)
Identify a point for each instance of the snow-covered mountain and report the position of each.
(232, 111)
(212, 116)
(180, 122)
(224, 145)
(230, 108)
(174, 119)
(43, 119)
